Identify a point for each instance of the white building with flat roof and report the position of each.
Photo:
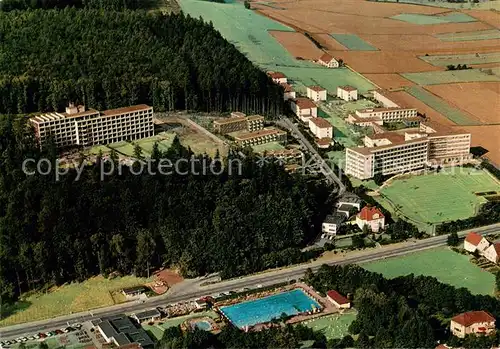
(387, 114)
(384, 98)
(78, 126)
(347, 93)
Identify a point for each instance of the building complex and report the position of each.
(262, 136)
(79, 126)
(238, 122)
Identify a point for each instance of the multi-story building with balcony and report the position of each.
(387, 114)
(255, 122)
(78, 126)
(239, 122)
(261, 137)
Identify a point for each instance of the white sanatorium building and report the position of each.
(392, 152)
(78, 126)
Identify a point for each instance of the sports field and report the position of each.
(441, 106)
(415, 18)
(445, 265)
(353, 42)
(470, 58)
(450, 76)
(470, 36)
(441, 197)
(70, 298)
(332, 326)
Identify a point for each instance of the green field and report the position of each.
(123, 148)
(445, 196)
(157, 329)
(353, 42)
(441, 106)
(470, 36)
(454, 17)
(69, 298)
(471, 58)
(485, 5)
(332, 326)
(164, 140)
(450, 76)
(267, 147)
(248, 31)
(445, 265)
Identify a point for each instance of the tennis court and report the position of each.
(442, 106)
(450, 76)
(470, 36)
(417, 18)
(440, 197)
(332, 326)
(445, 265)
(471, 58)
(353, 42)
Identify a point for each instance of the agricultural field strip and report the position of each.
(470, 36)
(472, 58)
(454, 76)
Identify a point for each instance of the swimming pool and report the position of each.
(203, 325)
(264, 309)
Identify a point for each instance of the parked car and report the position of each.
(58, 331)
(42, 335)
(31, 338)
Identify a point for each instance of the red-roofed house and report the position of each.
(304, 108)
(492, 253)
(324, 142)
(338, 300)
(347, 93)
(289, 92)
(328, 61)
(316, 93)
(372, 217)
(277, 77)
(475, 242)
(321, 128)
(477, 322)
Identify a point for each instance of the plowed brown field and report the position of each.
(297, 44)
(388, 81)
(486, 137)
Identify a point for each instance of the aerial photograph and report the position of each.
(204, 174)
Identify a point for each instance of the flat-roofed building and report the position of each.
(304, 108)
(286, 155)
(332, 223)
(120, 330)
(263, 136)
(78, 126)
(347, 93)
(234, 123)
(255, 122)
(387, 114)
(320, 127)
(446, 145)
(364, 122)
(316, 93)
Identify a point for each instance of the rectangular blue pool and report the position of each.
(264, 309)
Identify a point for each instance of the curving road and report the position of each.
(267, 278)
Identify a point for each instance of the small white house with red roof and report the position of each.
(472, 322)
(474, 242)
(338, 300)
(327, 60)
(277, 77)
(316, 93)
(289, 93)
(304, 108)
(492, 253)
(371, 217)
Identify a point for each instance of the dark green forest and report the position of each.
(57, 231)
(11, 5)
(108, 59)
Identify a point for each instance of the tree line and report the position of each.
(108, 59)
(115, 5)
(53, 232)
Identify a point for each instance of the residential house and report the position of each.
(316, 93)
(328, 61)
(371, 217)
(331, 224)
(289, 93)
(492, 253)
(147, 315)
(474, 242)
(472, 322)
(304, 108)
(324, 142)
(338, 300)
(347, 93)
(277, 77)
(320, 127)
(133, 292)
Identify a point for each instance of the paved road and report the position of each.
(251, 281)
(324, 168)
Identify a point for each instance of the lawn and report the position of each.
(353, 42)
(164, 140)
(267, 147)
(454, 17)
(450, 76)
(157, 329)
(69, 298)
(470, 58)
(123, 148)
(445, 265)
(441, 106)
(442, 197)
(489, 34)
(332, 326)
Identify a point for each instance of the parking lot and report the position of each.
(70, 337)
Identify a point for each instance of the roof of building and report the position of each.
(320, 122)
(287, 87)
(326, 57)
(237, 114)
(360, 119)
(316, 88)
(473, 238)
(345, 208)
(124, 110)
(134, 289)
(348, 88)
(371, 150)
(130, 346)
(496, 246)
(473, 317)
(350, 198)
(276, 75)
(324, 141)
(230, 120)
(368, 212)
(381, 109)
(304, 103)
(123, 330)
(337, 297)
(255, 117)
(282, 152)
(335, 218)
(392, 137)
(147, 314)
(259, 133)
